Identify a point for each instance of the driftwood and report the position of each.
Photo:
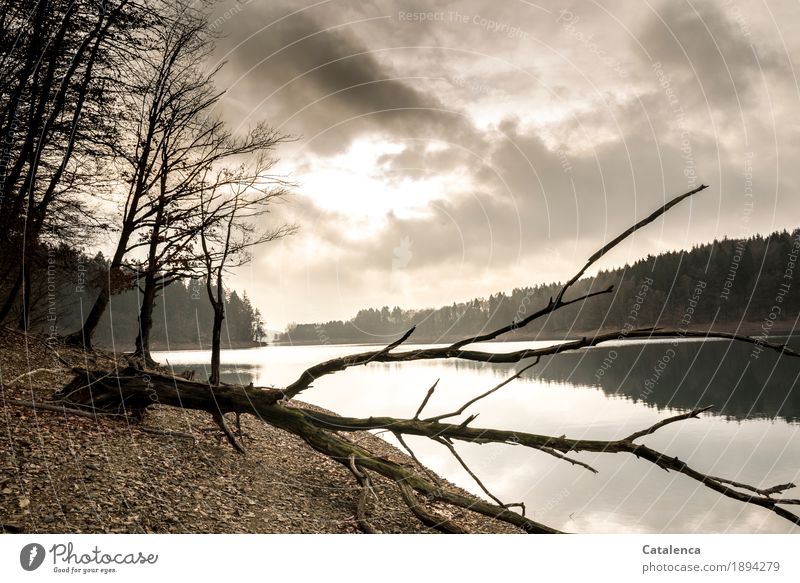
(133, 390)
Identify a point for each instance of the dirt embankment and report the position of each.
(173, 472)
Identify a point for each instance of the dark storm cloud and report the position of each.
(314, 77)
(713, 53)
(530, 200)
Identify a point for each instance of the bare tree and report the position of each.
(170, 140)
(327, 433)
(163, 88)
(230, 207)
(177, 218)
(55, 56)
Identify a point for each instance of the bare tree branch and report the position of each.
(445, 352)
(423, 467)
(624, 235)
(496, 388)
(428, 395)
(653, 428)
(437, 430)
(427, 517)
(472, 474)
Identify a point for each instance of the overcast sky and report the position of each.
(448, 150)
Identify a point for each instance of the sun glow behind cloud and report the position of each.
(360, 185)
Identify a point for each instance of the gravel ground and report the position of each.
(68, 474)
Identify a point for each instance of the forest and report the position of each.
(112, 140)
(66, 289)
(732, 284)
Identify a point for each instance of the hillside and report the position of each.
(743, 285)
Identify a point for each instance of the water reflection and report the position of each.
(684, 375)
(665, 375)
(755, 439)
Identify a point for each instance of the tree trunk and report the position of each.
(83, 337)
(216, 336)
(27, 280)
(129, 225)
(11, 297)
(142, 348)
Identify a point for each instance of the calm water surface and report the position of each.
(604, 392)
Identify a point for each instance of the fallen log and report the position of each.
(133, 391)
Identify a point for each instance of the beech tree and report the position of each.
(174, 37)
(178, 218)
(55, 57)
(170, 138)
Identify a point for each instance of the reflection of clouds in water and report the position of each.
(561, 397)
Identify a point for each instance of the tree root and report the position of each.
(361, 506)
(220, 419)
(427, 517)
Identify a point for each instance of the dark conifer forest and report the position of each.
(734, 284)
(69, 282)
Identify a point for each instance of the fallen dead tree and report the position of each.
(131, 391)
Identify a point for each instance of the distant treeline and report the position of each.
(69, 281)
(752, 284)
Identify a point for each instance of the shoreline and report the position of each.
(173, 471)
(781, 329)
(187, 345)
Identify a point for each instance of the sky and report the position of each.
(450, 150)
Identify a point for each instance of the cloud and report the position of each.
(498, 161)
(314, 77)
(718, 59)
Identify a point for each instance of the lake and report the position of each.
(606, 392)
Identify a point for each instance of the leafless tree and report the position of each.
(55, 57)
(177, 219)
(231, 207)
(168, 138)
